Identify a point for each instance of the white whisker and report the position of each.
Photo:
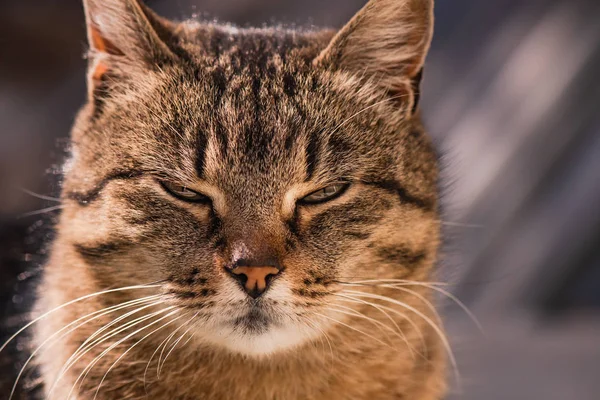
(160, 367)
(382, 310)
(10, 339)
(152, 357)
(315, 326)
(402, 315)
(390, 281)
(88, 344)
(40, 196)
(42, 211)
(164, 345)
(88, 318)
(456, 301)
(188, 340)
(131, 348)
(461, 225)
(91, 365)
(423, 316)
(355, 329)
(409, 291)
(351, 312)
(430, 285)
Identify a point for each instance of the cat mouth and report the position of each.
(255, 321)
(257, 329)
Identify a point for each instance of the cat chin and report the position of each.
(257, 329)
(260, 343)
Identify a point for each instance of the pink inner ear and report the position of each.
(99, 70)
(101, 44)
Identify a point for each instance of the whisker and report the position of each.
(156, 351)
(328, 339)
(160, 367)
(404, 282)
(456, 301)
(88, 344)
(355, 329)
(164, 345)
(92, 340)
(382, 310)
(89, 317)
(152, 357)
(461, 225)
(351, 312)
(42, 211)
(416, 294)
(188, 340)
(436, 328)
(131, 348)
(315, 326)
(427, 303)
(40, 196)
(10, 339)
(91, 365)
(390, 281)
(404, 316)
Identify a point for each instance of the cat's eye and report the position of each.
(183, 193)
(325, 194)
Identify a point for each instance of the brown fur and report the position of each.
(254, 119)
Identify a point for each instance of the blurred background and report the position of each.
(511, 95)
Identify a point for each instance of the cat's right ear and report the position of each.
(125, 38)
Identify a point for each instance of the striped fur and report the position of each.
(255, 119)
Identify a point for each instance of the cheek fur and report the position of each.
(252, 114)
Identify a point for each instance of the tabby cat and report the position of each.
(248, 214)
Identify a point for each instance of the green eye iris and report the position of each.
(325, 194)
(183, 193)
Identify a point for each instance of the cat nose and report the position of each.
(254, 279)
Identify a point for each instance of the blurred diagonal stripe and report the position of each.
(514, 100)
(514, 125)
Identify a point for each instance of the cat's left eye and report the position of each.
(325, 194)
(183, 193)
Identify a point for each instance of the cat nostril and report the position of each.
(255, 280)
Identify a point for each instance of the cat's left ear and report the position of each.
(124, 35)
(386, 42)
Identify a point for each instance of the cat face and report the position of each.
(250, 172)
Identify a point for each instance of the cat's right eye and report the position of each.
(183, 193)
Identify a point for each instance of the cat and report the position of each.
(247, 214)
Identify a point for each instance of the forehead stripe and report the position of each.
(85, 198)
(312, 154)
(200, 154)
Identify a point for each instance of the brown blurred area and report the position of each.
(511, 95)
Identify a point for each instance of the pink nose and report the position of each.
(255, 280)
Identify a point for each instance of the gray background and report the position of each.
(512, 97)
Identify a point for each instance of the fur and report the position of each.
(254, 119)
